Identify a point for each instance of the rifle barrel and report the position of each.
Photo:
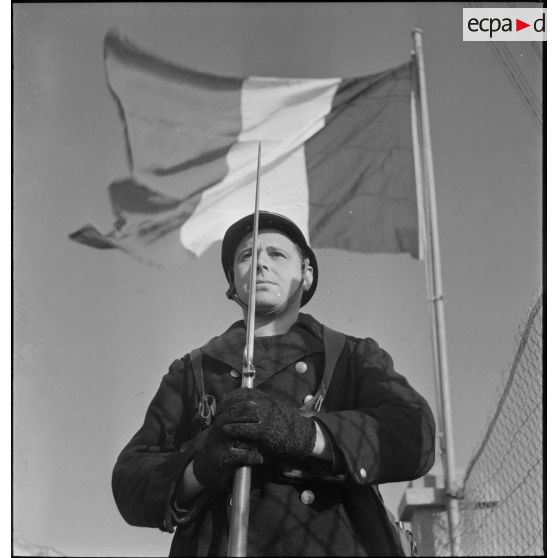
(238, 526)
(240, 501)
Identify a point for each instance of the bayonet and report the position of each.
(240, 502)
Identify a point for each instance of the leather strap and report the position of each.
(206, 403)
(334, 342)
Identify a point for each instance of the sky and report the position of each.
(94, 331)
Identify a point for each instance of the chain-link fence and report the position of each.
(501, 510)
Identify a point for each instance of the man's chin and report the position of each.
(274, 308)
(267, 307)
(270, 304)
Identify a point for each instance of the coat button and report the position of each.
(234, 373)
(363, 472)
(308, 398)
(301, 367)
(307, 497)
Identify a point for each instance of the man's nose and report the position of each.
(262, 260)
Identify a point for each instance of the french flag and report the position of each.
(336, 157)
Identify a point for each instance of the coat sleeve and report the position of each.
(387, 433)
(149, 467)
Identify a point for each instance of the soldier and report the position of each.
(313, 469)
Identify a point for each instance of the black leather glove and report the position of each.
(220, 454)
(254, 416)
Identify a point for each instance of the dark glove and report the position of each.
(254, 416)
(220, 455)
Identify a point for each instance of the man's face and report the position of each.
(279, 271)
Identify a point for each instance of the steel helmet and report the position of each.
(267, 220)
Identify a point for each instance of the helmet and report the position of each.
(267, 220)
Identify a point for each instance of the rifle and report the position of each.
(240, 503)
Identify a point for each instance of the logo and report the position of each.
(504, 24)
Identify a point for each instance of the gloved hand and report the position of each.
(254, 416)
(220, 454)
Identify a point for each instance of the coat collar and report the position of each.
(304, 338)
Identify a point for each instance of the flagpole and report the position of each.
(424, 250)
(435, 279)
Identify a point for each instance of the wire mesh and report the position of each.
(501, 504)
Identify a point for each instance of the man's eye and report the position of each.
(276, 254)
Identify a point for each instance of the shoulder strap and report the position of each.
(206, 403)
(195, 359)
(334, 342)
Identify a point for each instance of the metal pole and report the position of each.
(240, 501)
(424, 251)
(437, 302)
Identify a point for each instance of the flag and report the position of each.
(337, 157)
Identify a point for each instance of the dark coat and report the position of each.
(381, 429)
